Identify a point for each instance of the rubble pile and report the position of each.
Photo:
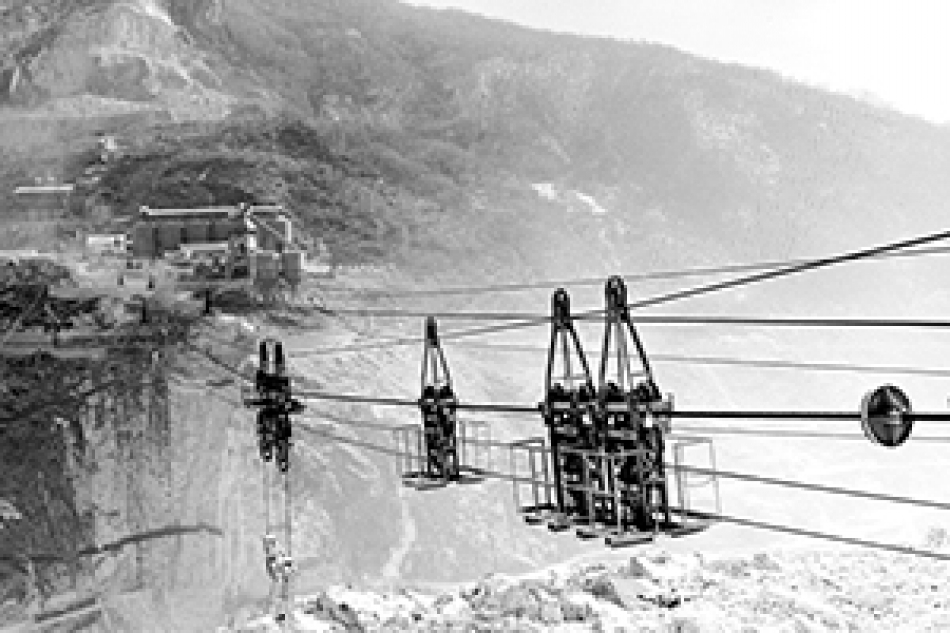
(653, 590)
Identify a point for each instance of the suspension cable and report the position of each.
(696, 414)
(752, 279)
(217, 361)
(806, 265)
(704, 515)
(832, 322)
(741, 362)
(846, 540)
(786, 483)
(835, 490)
(653, 319)
(680, 428)
(791, 433)
(598, 281)
(791, 270)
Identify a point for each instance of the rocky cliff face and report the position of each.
(120, 52)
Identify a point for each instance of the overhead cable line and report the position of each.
(678, 295)
(656, 319)
(796, 531)
(598, 281)
(815, 264)
(697, 415)
(813, 534)
(833, 322)
(800, 485)
(677, 432)
(358, 399)
(741, 362)
(405, 402)
(790, 433)
(773, 481)
(360, 347)
(217, 361)
(827, 416)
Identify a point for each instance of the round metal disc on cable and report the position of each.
(886, 416)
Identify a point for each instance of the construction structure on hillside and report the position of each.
(242, 242)
(44, 200)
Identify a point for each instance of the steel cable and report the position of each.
(696, 414)
(787, 483)
(656, 319)
(599, 281)
(791, 433)
(696, 291)
(835, 490)
(705, 515)
(803, 266)
(761, 363)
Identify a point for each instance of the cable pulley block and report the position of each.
(886, 416)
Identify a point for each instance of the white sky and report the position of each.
(896, 50)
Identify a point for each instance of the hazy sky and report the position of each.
(896, 50)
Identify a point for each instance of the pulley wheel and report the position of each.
(886, 416)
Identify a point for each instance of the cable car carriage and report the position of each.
(272, 393)
(443, 449)
(602, 470)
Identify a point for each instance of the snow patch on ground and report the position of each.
(572, 200)
(657, 590)
(591, 202)
(152, 9)
(546, 190)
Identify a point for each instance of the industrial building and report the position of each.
(248, 241)
(110, 243)
(45, 200)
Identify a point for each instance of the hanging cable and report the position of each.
(788, 433)
(824, 262)
(404, 402)
(422, 314)
(796, 531)
(217, 361)
(741, 362)
(703, 515)
(358, 399)
(598, 281)
(698, 415)
(655, 319)
(793, 322)
(679, 295)
(677, 432)
(786, 483)
(799, 485)
(827, 416)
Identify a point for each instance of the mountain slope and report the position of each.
(462, 150)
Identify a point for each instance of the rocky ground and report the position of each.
(654, 590)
